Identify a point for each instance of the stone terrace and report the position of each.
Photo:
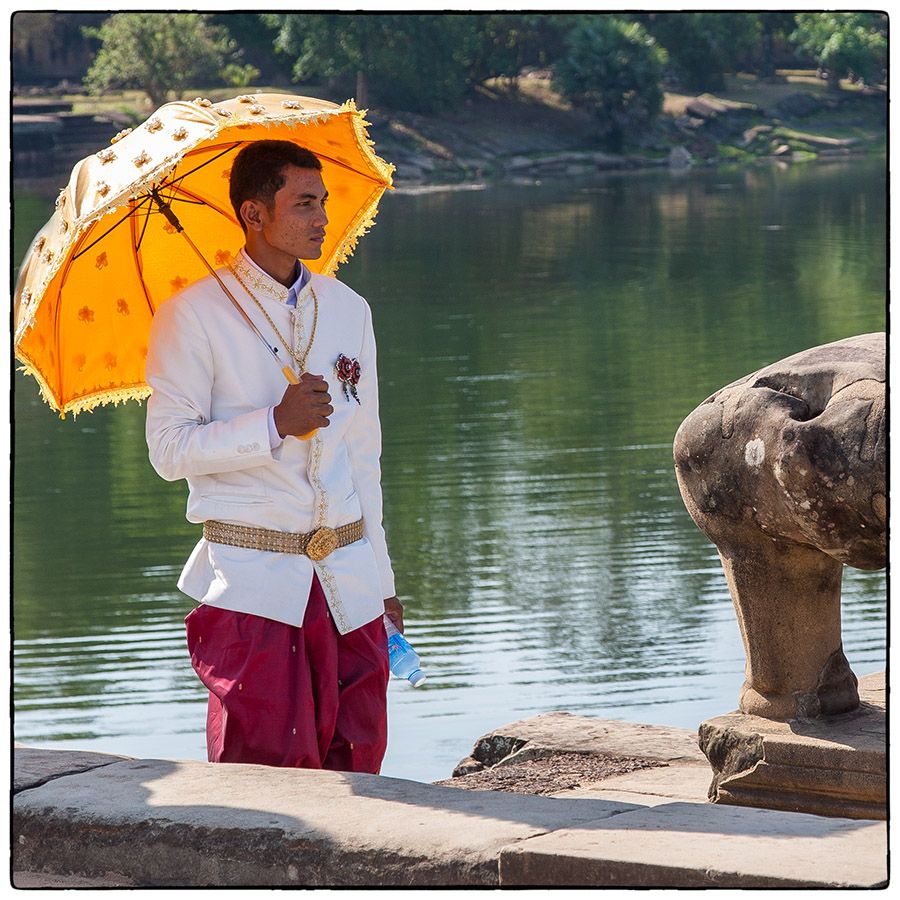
(94, 820)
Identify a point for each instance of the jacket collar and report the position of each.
(260, 282)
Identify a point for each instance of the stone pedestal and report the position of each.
(830, 766)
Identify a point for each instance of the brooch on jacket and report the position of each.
(348, 372)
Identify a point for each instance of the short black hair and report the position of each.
(258, 171)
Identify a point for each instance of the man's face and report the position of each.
(295, 222)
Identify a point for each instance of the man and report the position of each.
(292, 574)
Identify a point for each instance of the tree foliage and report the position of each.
(613, 68)
(504, 43)
(256, 40)
(845, 44)
(416, 62)
(431, 62)
(703, 46)
(158, 53)
(773, 25)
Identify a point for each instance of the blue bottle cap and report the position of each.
(417, 677)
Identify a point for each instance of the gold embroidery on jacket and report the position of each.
(298, 337)
(315, 462)
(264, 284)
(334, 598)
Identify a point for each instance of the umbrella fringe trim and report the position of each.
(47, 394)
(89, 403)
(364, 220)
(105, 398)
(384, 170)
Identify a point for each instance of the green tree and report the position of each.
(774, 26)
(845, 44)
(250, 31)
(612, 68)
(413, 62)
(502, 44)
(158, 53)
(240, 76)
(703, 46)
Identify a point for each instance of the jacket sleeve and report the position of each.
(182, 438)
(364, 448)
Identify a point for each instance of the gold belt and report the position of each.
(315, 544)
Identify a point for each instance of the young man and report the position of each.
(292, 574)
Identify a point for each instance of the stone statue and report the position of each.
(784, 471)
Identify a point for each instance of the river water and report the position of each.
(538, 347)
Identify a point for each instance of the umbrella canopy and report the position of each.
(99, 269)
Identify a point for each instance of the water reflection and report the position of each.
(538, 348)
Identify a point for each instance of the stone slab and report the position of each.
(649, 786)
(34, 765)
(562, 732)
(168, 823)
(831, 766)
(692, 845)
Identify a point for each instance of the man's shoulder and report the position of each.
(202, 291)
(195, 297)
(188, 308)
(328, 285)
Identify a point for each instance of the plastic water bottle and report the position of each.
(404, 660)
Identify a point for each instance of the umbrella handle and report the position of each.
(293, 379)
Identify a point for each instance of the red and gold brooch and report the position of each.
(348, 372)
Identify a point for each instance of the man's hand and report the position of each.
(304, 407)
(393, 608)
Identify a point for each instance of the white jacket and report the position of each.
(207, 421)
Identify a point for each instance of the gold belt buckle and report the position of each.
(323, 542)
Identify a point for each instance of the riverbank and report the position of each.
(525, 131)
(529, 133)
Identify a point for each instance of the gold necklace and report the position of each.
(301, 359)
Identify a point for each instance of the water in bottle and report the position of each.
(404, 660)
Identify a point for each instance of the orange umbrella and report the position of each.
(112, 252)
